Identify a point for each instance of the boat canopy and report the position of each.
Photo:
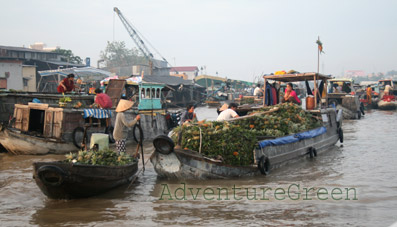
(88, 73)
(297, 77)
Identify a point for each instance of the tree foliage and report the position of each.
(116, 54)
(68, 56)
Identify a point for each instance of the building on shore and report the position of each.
(17, 63)
(185, 72)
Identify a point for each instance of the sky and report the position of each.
(238, 39)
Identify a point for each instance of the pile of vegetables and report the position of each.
(104, 157)
(233, 142)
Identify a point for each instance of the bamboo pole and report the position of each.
(264, 92)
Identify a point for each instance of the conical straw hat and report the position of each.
(124, 105)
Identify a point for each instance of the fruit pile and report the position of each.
(104, 157)
(233, 142)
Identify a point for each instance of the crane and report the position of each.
(137, 39)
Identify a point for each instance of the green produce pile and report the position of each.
(245, 100)
(233, 142)
(104, 157)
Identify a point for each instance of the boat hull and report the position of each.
(188, 164)
(59, 180)
(18, 143)
(385, 105)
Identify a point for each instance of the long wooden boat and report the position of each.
(60, 180)
(18, 143)
(270, 153)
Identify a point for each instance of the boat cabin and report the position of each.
(302, 77)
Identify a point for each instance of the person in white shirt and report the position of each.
(228, 113)
(258, 91)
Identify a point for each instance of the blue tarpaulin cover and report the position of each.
(293, 138)
(97, 113)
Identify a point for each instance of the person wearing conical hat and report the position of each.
(118, 134)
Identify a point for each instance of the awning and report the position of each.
(88, 73)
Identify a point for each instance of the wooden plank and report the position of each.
(114, 90)
(37, 106)
(18, 113)
(57, 124)
(48, 123)
(25, 119)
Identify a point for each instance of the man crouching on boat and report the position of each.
(118, 133)
(228, 113)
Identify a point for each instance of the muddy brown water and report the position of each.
(360, 179)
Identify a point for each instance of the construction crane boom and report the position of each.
(136, 38)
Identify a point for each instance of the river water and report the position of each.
(360, 179)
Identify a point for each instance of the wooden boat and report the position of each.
(41, 129)
(347, 99)
(187, 164)
(388, 102)
(270, 153)
(18, 143)
(60, 180)
(45, 128)
(212, 103)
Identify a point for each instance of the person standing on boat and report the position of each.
(229, 113)
(118, 132)
(387, 90)
(290, 95)
(189, 114)
(258, 92)
(67, 84)
(369, 94)
(102, 100)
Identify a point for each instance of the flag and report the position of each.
(320, 45)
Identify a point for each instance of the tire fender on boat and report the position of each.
(340, 132)
(51, 175)
(312, 152)
(164, 144)
(140, 132)
(264, 165)
(75, 142)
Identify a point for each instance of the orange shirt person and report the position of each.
(369, 94)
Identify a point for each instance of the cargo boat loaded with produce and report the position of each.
(249, 145)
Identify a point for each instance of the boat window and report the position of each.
(153, 93)
(143, 93)
(148, 93)
(158, 93)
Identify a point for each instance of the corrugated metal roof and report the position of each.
(24, 49)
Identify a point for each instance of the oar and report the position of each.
(136, 176)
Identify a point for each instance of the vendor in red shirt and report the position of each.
(66, 84)
(290, 95)
(102, 100)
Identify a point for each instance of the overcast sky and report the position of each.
(239, 39)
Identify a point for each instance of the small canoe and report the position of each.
(60, 180)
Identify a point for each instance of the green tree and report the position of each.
(68, 56)
(116, 54)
